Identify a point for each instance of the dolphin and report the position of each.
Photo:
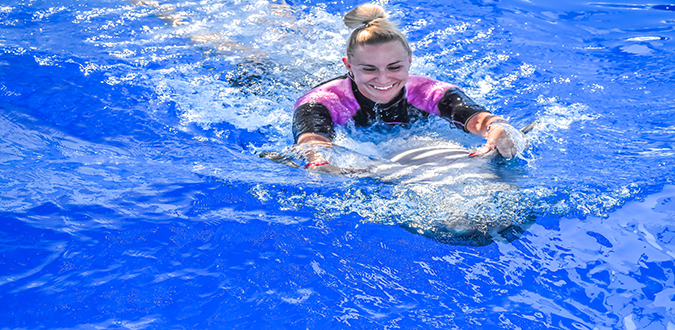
(449, 167)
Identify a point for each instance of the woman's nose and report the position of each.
(383, 76)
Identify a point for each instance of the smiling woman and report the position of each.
(378, 89)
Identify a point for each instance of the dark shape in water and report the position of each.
(461, 232)
(664, 7)
(279, 158)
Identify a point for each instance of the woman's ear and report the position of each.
(345, 60)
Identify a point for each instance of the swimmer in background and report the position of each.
(379, 89)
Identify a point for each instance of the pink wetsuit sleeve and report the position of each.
(335, 95)
(425, 93)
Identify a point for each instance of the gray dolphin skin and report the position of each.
(433, 163)
(446, 154)
(448, 167)
(451, 167)
(429, 155)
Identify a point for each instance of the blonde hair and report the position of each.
(372, 28)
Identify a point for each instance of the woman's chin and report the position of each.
(382, 96)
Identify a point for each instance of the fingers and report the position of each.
(506, 147)
(482, 150)
(503, 141)
(507, 152)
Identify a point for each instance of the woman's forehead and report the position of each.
(385, 53)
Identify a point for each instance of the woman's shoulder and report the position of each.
(335, 95)
(424, 93)
(329, 91)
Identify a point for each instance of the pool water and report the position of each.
(132, 194)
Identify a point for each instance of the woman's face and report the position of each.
(380, 71)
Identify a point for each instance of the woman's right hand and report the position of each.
(315, 161)
(308, 140)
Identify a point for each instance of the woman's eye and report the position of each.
(395, 68)
(368, 69)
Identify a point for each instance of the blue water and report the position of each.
(133, 197)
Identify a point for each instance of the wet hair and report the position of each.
(371, 28)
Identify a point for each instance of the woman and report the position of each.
(379, 89)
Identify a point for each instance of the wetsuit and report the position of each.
(337, 101)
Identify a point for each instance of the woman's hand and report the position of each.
(500, 136)
(307, 144)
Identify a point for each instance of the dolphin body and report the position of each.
(433, 163)
(449, 167)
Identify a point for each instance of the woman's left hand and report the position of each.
(503, 137)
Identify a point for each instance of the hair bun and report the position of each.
(371, 27)
(364, 14)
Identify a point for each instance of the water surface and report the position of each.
(132, 194)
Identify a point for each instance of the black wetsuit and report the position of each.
(339, 100)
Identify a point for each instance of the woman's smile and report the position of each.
(383, 88)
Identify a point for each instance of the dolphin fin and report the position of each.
(279, 158)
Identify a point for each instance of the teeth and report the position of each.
(383, 88)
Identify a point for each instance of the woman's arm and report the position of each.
(313, 127)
